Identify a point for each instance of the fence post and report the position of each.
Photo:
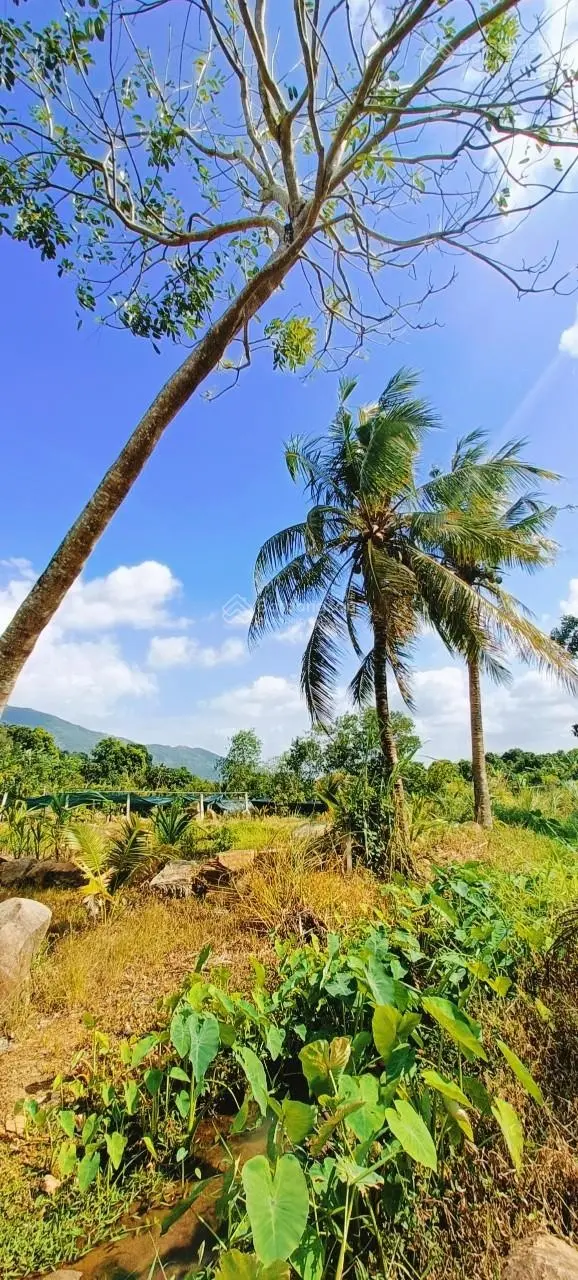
(128, 804)
(201, 807)
(246, 802)
(4, 799)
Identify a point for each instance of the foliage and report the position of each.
(110, 860)
(171, 826)
(242, 768)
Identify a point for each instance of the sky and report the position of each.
(151, 643)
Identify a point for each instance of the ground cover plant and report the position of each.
(394, 1061)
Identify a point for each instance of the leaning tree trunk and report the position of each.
(482, 802)
(400, 851)
(40, 605)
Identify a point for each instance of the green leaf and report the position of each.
(67, 1122)
(205, 1041)
(509, 1122)
(459, 1116)
(179, 1033)
(66, 1158)
(443, 907)
(150, 1146)
(501, 985)
(333, 1121)
(255, 1073)
(89, 1128)
(321, 1060)
(369, 1119)
(385, 1024)
(526, 1080)
(478, 1094)
(275, 1041)
(183, 1103)
(130, 1096)
(462, 1030)
(177, 1073)
(240, 1122)
(201, 961)
(153, 1079)
(87, 1170)
(448, 1088)
(308, 1260)
(298, 1120)
(141, 1049)
(384, 988)
(411, 1131)
(235, 1265)
(115, 1145)
(357, 1175)
(277, 1206)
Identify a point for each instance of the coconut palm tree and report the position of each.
(373, 552)
(498, 488)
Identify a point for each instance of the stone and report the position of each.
(40, 873)
(23, 924)
(175, 880)
(543, 1257)
(310, 830)
(65, 1274)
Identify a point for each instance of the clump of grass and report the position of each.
(292, 884)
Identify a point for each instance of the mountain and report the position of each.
(73, 737)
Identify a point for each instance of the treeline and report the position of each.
(31, 763)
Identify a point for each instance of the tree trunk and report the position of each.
(482, 803)
(400, 852)
(40, 605)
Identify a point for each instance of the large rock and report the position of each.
(544, 1257)
(23, 924)
(180, 879)
(40, 873)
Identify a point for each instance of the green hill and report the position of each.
(73, 737)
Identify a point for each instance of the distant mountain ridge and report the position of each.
(73, 737)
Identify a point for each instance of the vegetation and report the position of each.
(380, 552)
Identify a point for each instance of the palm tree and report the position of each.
(497, 488)
(372, 551)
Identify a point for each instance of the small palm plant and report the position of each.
(109, 861)
(171, 825)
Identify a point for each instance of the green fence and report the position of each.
(133, 802)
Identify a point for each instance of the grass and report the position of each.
(120, 970)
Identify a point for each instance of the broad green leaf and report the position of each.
(205, 1041)
(89, 1128)
(385, 1024)
(411, 1131)
(479, 969)
(277, 1206)
(87, 1170)
(177, 1073)
(440, 905)
(461, 1029)
(526, 1080)
(235, 1265)
(501, 985)
(259, 970)
(115, 1145)
(357, 1175)
(448, 1088)
(240, 1122)
(298, 1119)
(141, 1049)
(255, 1073)
(202, 958)
(130, 1096)
(153, 1079)
(275, 1041)
(543, 1011)
(308, 1260)
(478, 1094)
(183, 1103)
(67, 1122)
(314, 1059)
(509, 1122)
(180, 1033)
(66, 1159)
(150, 1146)
(339, 1054)
(369, 1119)
(384, 988)
(107, 1094)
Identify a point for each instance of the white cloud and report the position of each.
(568, 343)
(241, 616)
(79, 678)
(296, 633)
(571, 604)
(181, 651)
(130, 596)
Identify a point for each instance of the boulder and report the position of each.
(175, 880)
(40, 873)
(310, 830)
(23, 924)
(66, 1274)
(544, 1257)
(181, 879)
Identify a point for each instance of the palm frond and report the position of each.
(321, 660)
(362, 686)
(299, 582)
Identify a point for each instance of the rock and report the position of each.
(23, 924)
(50, 1184)
(181, 879)
(310, 830)
(16, 1125)
(40, 873)
(544, 1257)
(175, 880)
(66, 1274)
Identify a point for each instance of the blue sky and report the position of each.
(147, 651)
